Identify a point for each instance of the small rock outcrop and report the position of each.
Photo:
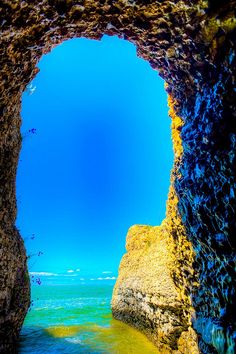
(192, 46)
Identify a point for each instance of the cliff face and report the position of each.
(192, 46)
(146, 295)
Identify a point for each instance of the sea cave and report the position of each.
(176, 283)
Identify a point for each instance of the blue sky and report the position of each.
(100, 159)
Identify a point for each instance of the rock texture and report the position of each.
(192, 46)
(146, 296)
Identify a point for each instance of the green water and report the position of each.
(76, 318)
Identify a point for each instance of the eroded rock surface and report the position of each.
(145, 294)
(192, 46)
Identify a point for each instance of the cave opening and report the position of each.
(95, 160)
(192, 46)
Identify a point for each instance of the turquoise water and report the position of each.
(76, 318)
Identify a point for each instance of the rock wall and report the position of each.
(192, 46)
(146, 295)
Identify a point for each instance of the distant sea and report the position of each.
(76, 317)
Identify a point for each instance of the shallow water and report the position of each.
(76, 318)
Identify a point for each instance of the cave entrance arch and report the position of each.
(193, 48)
(94, 128)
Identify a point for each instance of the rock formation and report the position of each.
(155, 275)
(192, 46)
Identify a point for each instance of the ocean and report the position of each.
(76, 318)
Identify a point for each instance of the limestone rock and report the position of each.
(145, 294)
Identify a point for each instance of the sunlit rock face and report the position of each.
(146, 296)
(192, 46)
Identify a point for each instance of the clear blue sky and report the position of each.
(100, 159)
